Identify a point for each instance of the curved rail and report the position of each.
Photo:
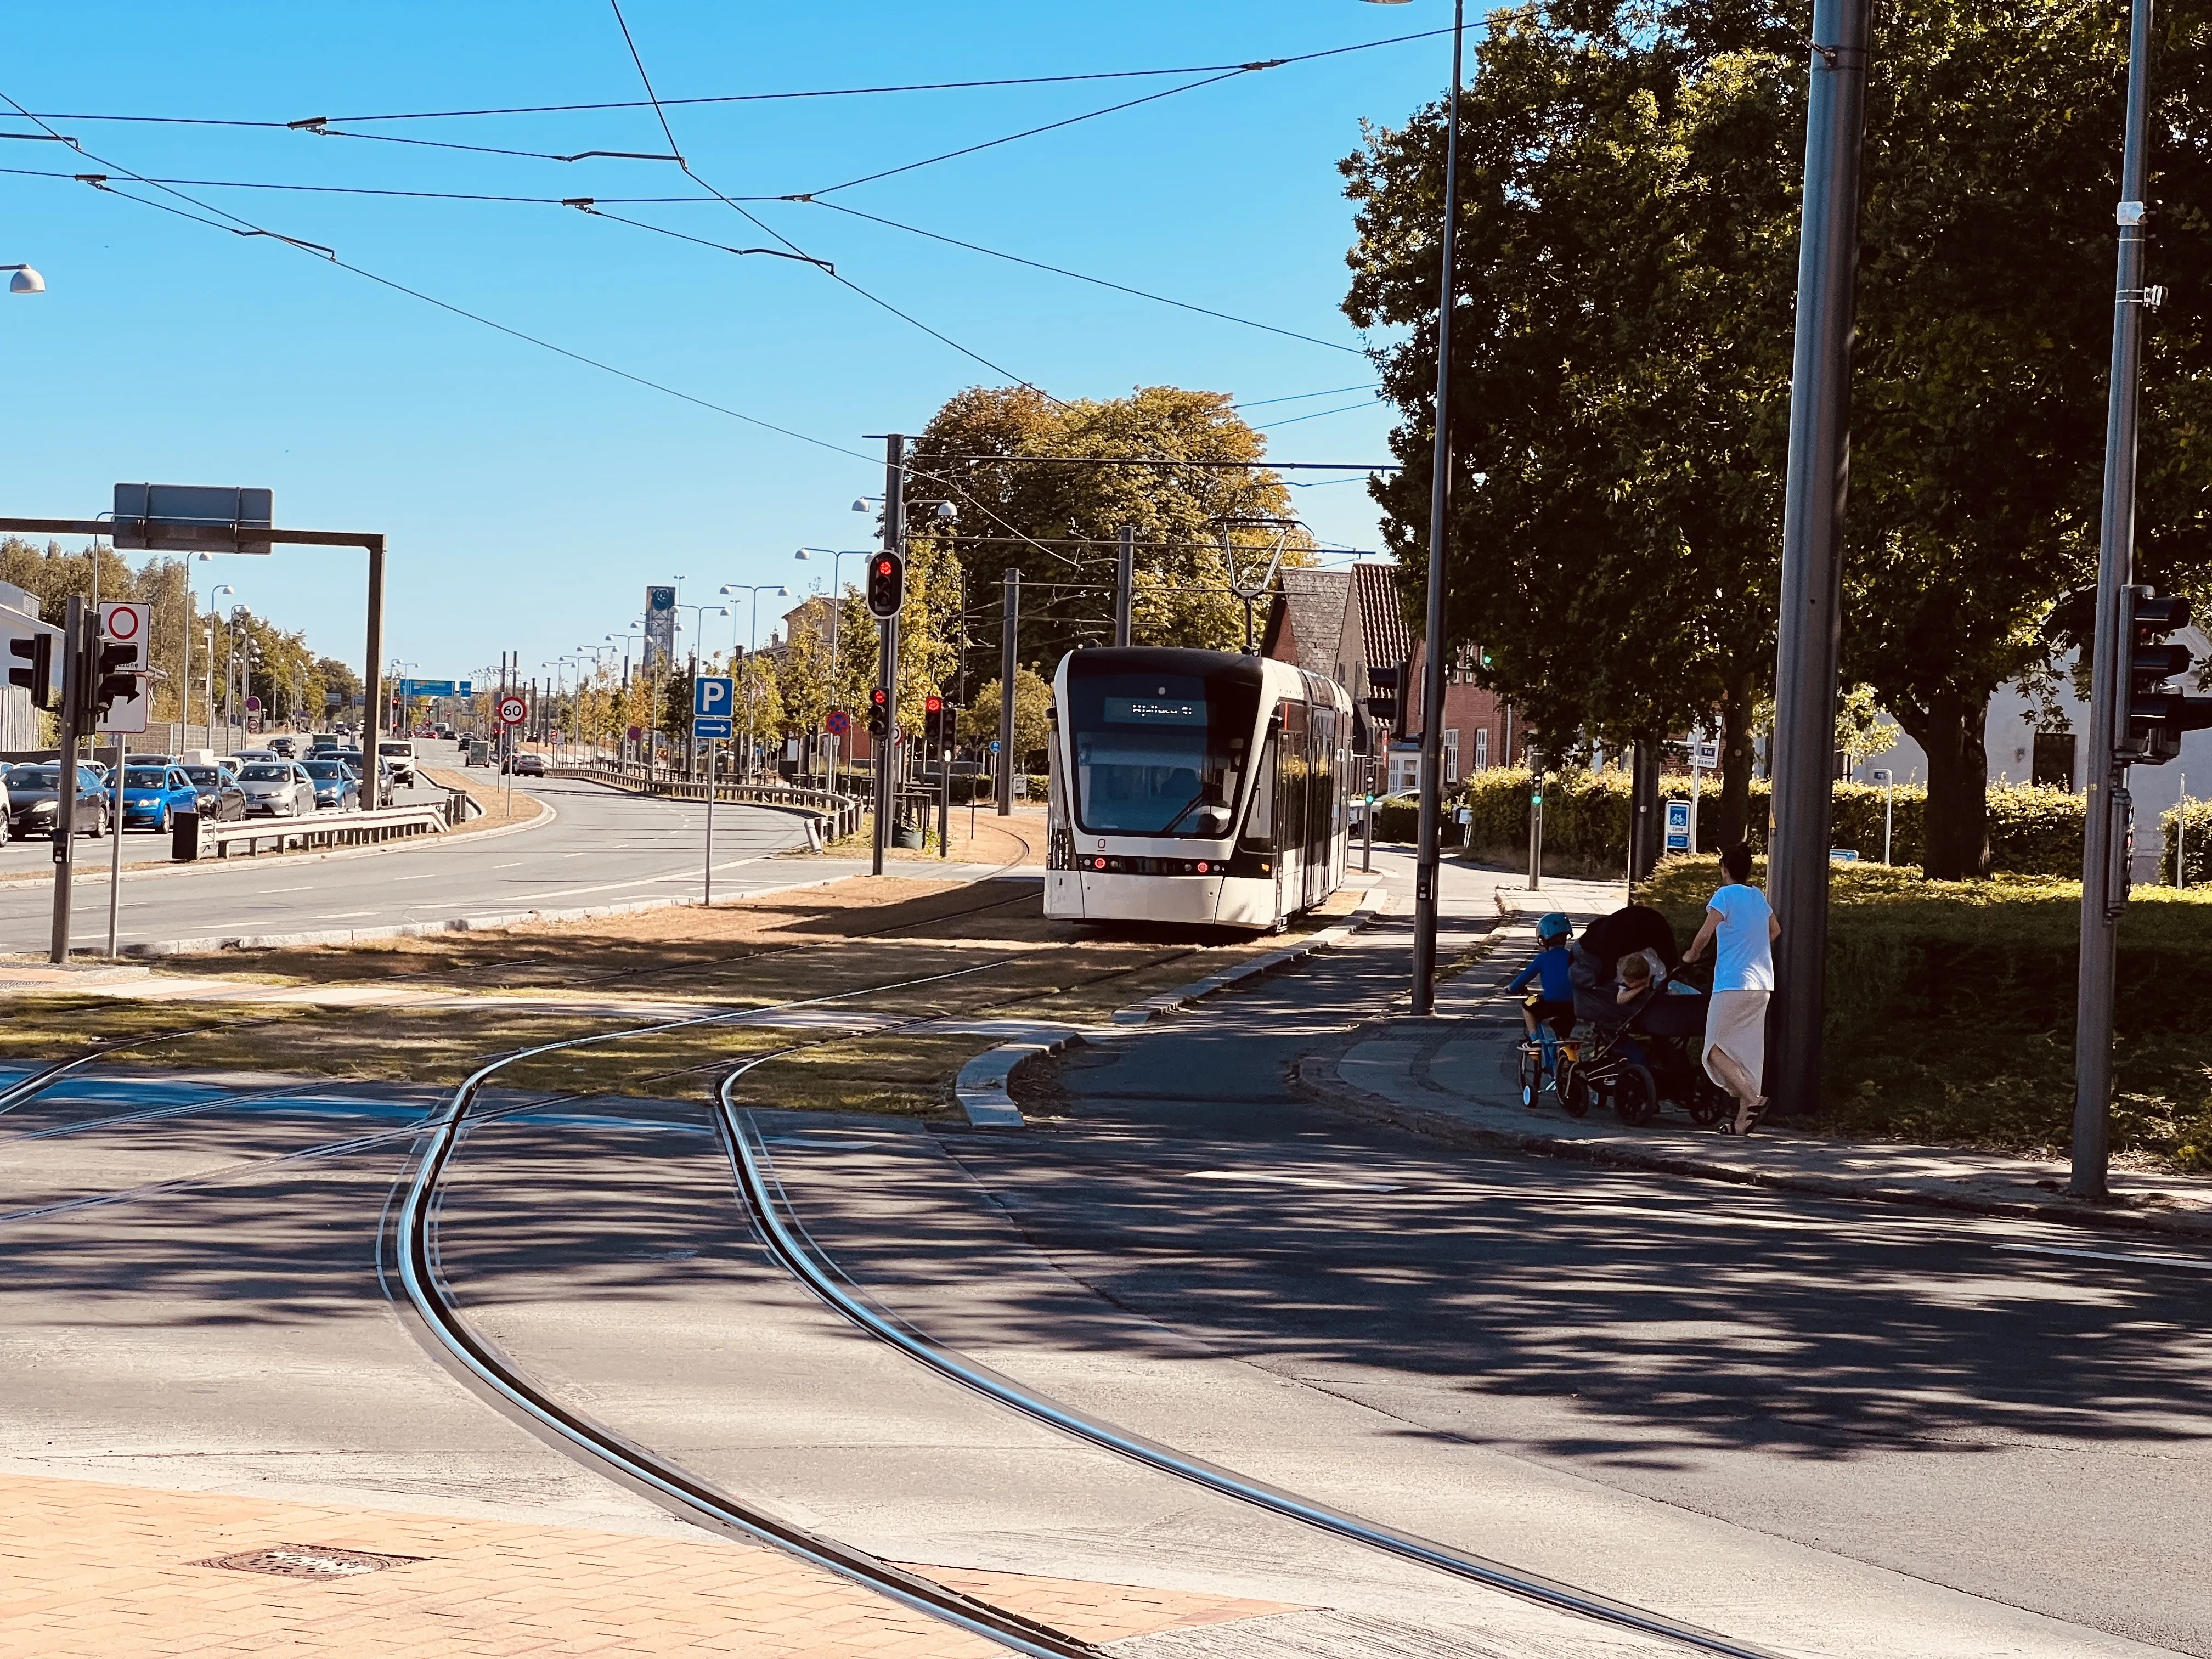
(763, 1196)
(419, 1278)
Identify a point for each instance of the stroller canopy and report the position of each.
(1636, 927)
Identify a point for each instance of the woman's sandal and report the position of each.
(1727, 1125)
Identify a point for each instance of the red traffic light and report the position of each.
(886, 585)
(933, 705)
(879, 696)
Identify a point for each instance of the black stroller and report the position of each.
(1644, 1054)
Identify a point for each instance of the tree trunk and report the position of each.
(1956, 830)
(1732, 822)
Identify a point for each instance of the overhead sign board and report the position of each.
(437, 687)
(193, 517)
(713, 697)
(711, 725)
(121, 671)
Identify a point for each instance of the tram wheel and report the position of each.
(1635, 1095)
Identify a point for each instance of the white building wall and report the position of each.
(2009, 736)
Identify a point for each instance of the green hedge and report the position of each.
(2196, 847)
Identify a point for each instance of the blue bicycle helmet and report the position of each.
(1554, 926)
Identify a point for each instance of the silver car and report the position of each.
(278, 788)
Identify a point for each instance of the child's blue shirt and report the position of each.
(1551, 966)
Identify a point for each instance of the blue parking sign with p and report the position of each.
(713, 697)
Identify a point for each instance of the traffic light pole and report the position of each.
(895, 545)
(73, 659)
(2092, 1005)
(1010, 634)
(1809, 624)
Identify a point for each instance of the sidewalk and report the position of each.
(1457, 1077)
(96, 1571)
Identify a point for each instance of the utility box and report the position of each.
(184, 836)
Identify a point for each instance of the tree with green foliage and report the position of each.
(1032, 716)
(1622, 345)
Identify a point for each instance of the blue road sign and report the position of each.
(1678, 826)
(713, 697)
(710, 725)
(994, 746)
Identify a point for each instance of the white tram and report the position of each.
(1195, 787)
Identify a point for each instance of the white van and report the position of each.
(399, 755)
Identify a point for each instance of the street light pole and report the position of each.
(1427, 856)
(1809, 625)
(2107, 803)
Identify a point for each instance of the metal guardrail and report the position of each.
(833, 816)
(194, 839)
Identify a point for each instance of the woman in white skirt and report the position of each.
(1740, 924)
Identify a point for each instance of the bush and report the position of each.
(1950, 1013)
(2195, 846)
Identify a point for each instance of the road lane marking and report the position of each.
(1295, 1181)
(2195, 1263)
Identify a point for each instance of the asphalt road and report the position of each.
(1838, 1429)
(603, 847)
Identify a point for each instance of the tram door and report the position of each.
(1322, 805)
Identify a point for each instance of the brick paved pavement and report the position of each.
(115, 1572)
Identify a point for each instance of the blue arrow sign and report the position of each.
(713, 696)
(710, 725)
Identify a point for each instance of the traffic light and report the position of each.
(31, 665)
(114, 677)
(932, 724)
(886, 583)
(2157, 716)
(879, 713)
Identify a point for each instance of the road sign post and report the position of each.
(714, 704)
(511, 711)
(120, 699)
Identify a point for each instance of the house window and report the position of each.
(1451, 756)
(2054, 760)
(1482, 749)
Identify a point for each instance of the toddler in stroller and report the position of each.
(1645, 1025)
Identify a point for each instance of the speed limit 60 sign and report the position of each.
(513, 709)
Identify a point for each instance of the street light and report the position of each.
(1425, 870)
(25, 281)
(753, 645)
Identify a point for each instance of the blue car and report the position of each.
(153, 795)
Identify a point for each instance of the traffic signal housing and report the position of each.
(114, 677)
(2157, 714)
(934, 713)
(879, 713)
(31, 663)
(886, 583)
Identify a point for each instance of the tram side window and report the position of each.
(1260, 827)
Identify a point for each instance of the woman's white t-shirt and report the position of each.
(1743, 955)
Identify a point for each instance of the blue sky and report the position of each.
(529, 498)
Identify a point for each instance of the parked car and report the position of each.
(220, 800)
(153, 795)
(401, 753)
(35, 798)
(525, 766)
(336, 785)
(278, 788)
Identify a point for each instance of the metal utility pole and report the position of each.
(65, 773)
(1809, 625)
(2102, 841)
(1009, 628)
(895, 545)
(1125, 576)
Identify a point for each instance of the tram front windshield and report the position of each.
(1159, 754)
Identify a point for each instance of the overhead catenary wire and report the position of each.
(743, 97)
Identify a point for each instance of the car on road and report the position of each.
(278, 788)
(401, 754)
(525, 766)
(35, 798)
(153, 795)
(336, 785)
(285, 746)
(220, 800)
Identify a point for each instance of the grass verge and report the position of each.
(1950, 1010)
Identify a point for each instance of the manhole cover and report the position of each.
(309, 1561)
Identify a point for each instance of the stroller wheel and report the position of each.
(1707, 1100)
(1574, 1089)
(1635, 1097)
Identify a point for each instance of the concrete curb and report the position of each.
(981, 1088)
(1319, 1081)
